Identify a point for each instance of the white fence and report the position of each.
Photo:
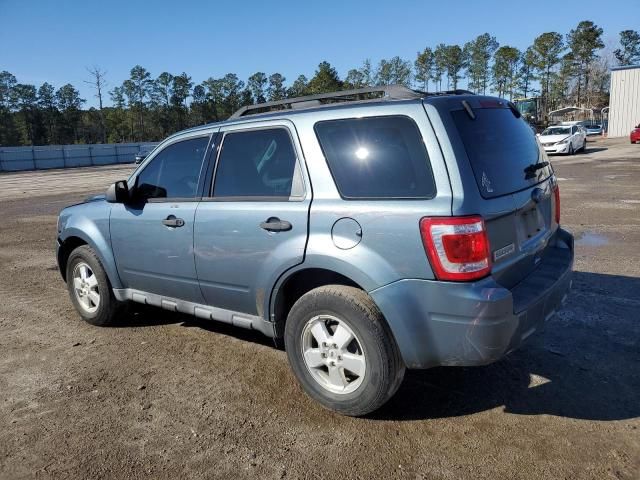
(64, 156)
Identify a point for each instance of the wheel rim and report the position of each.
(333, 354)
(85, 287)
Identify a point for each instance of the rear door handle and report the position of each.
(274, 224)
(173, 221)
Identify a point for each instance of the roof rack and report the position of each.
(390, 92)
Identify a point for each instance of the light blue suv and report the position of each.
(371, 230)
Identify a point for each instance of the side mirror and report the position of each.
(118, 192)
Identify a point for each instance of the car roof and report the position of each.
(411, 96)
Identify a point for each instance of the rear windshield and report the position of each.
(500, 147)
(377, 157)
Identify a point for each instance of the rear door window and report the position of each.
(377, 157)
(500, 147)
(258, 164)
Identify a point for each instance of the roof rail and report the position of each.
(390, 92)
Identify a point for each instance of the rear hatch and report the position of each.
(504, 175)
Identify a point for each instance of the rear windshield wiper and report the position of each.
(533, 168)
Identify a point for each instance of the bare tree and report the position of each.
(99, 84)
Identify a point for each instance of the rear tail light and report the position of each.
(556, 195)
(457, 247)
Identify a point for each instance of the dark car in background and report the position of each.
(142, 154)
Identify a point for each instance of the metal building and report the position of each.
(624, 104)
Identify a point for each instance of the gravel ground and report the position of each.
(167, 396)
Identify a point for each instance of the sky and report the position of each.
(55, 41)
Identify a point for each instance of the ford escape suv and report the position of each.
(370, 230)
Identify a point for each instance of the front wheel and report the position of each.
(89, 288)
(342, 351)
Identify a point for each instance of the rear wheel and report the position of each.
(342, 351)
(89, 288)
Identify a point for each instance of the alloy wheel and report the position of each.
(333, 354)
(85, 287)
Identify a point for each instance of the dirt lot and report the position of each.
(166, 396)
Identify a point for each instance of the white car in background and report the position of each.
(566, 139)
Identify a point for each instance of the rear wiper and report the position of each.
(533, 168)
(468, 109)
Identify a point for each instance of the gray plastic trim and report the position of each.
(238, 319)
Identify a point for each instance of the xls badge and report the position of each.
(504, 251)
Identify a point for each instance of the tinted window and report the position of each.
(174, 171)
(377, 157)
(500, 147)
(257, 163)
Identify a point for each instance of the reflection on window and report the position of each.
(257, 163)
(174, 172)
(377, 157)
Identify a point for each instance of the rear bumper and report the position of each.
(446, 323)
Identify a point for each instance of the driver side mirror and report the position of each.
(118, 192)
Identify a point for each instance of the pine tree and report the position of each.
(325, 80)
(583, 42)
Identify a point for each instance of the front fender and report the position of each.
(94, 230)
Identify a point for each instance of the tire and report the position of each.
(345, 312)
(83, 262)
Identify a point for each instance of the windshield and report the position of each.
(557, 131)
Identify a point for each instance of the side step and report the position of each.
(238, 319)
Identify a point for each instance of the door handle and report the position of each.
(172, 221)
(274, 224)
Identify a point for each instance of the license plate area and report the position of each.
(529, 225)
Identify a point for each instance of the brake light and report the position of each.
(492, 104)
(457, 247)
(556, 195)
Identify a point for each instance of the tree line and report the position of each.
(562, 69)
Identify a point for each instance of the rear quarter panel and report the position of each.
(390, 247)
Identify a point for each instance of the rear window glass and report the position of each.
(500, 147)
(377, 157)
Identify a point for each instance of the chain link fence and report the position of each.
(13, 159)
